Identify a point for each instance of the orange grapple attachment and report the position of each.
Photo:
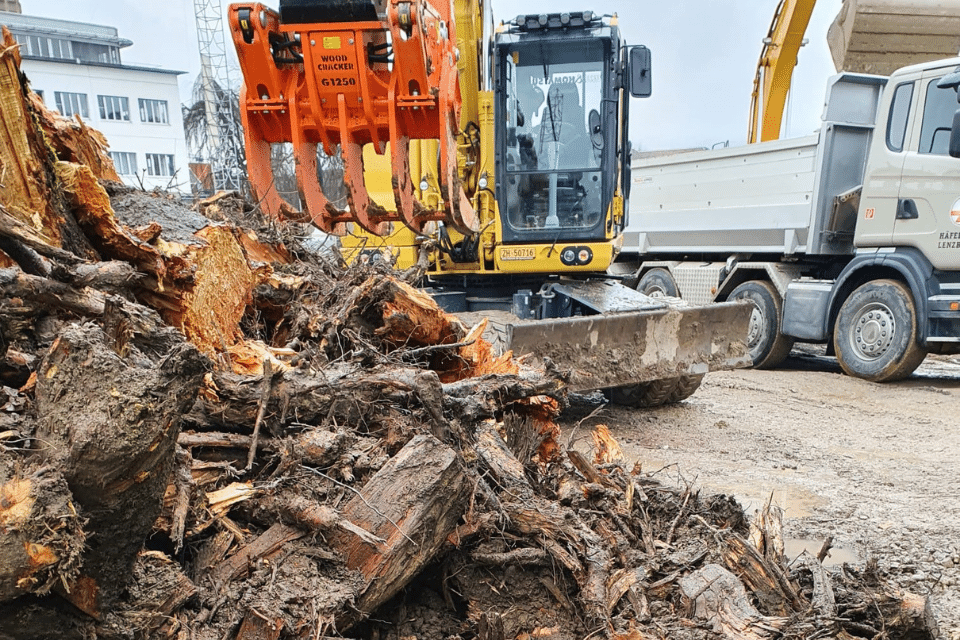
(311, 81)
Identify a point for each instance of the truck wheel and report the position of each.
(658, 283)
(876, 332)
(768, 347)
(655, 393)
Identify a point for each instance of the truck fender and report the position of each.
(778, 274)
(904, 263)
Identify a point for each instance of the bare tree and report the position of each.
(198, 131)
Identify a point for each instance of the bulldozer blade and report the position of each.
(613, 350)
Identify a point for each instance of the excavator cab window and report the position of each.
(553, 93)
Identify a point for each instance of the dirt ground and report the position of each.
(875, 466)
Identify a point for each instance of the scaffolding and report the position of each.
(219, 142)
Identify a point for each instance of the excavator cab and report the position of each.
(561, 127)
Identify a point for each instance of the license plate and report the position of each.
(518, 253)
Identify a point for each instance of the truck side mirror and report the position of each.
(954, 149)
(952, 81)
(641, 83)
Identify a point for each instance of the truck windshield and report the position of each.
(552, 162)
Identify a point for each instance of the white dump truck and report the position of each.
(849, 237)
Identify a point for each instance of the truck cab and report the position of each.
(849, 237)
(911, 190)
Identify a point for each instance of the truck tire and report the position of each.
(658, 283)
(875, 337)
(655, 393)
(768, 347)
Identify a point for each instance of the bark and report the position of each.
(41, 534)
(413, 503)
(110, 425)
(718, 597)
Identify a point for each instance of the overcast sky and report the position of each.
(704, 54)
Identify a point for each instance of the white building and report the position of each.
(76, 69)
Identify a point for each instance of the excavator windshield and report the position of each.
(552, 100)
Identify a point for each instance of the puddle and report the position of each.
(793, 547)
(795, 502)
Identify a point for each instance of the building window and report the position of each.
(154, 111)
(125, 163)
(114, 108)
(88, 52)
(69, 104)
(44, 47)
(159, 164)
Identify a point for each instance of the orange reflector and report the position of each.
(955, 306)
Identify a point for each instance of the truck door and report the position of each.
(881, 183)
(928, 208)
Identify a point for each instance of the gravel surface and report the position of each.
(875, 466)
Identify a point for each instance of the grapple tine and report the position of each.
(461, 213)
(260, 174)
(323, 214)
(400, 165)
(364, 210)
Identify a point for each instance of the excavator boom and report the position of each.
(867, 36)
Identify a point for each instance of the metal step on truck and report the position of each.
(849, 237)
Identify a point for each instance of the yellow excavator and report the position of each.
(494, 156)
(867, 36)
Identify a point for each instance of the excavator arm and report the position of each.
(867, 36)
(341, 74)
(775, 69)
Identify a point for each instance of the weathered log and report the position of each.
(413, 503)
(28, 189)
(41, 534)
(504, 468)
(45, 292)
(476, 399)
(822, 599)
(110, 425)
(191, 439)
(718, 597)
(312, 517)
(340, 393)
(264, 546)
(766, 580)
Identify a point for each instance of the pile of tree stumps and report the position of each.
(209, 432)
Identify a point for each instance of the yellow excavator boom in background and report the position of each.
(867, 36)
(775, 69)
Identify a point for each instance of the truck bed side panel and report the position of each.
(748, 199)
